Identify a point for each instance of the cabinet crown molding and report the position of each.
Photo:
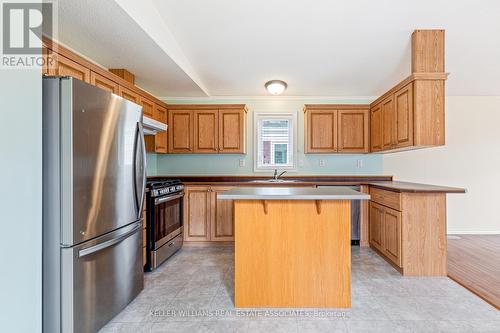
(206, 106)
(308, 107)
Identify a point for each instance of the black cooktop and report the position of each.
(159, 183)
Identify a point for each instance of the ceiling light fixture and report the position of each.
(275, 87)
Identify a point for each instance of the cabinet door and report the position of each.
(180, 131)
(232, 131)
(376, 226)
(321, 131)
(103, 82)
(392, 235)
(197, 214)
(403, 104)
(222, 226)
(388, 123)
(161, 139)
(205, 123)
(148, 107)
(353, 131)
(129, 95)
(376, 128)
(67, 67)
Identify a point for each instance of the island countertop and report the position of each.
(292, 193)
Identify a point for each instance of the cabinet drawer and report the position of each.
(386, 198)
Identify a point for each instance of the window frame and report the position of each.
(291, 116)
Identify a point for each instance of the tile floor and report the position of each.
(193, 292)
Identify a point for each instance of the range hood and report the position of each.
(151, 126)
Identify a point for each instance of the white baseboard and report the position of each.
(473, 232)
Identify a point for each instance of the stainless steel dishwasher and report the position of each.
(355, 213)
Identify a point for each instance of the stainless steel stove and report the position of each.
(164, 220)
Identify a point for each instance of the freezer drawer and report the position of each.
(99, 278)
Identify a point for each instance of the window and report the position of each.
(275, 145)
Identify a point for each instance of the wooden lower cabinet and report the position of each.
(222, 224)
(376, 226)
(385, 231)
(392, 235)
(207, 219)
(413, 236)
(197, 213)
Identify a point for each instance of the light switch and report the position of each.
(359, 163)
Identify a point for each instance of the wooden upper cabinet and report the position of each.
(222, 224)
(376, 128)
(205, 131)
(161, 139)
(158, 143)
(232, 131)
(67, 67)
(321, 131)
(337, 128)
(180, 131)
(403, 105)
(129, 95)
(148, 107)
(388, 123)
(49, 62)
(353, 131)
(197, 213)
(103, 82)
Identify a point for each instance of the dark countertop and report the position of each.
(398, 186)
(383, 182)
(299, 180)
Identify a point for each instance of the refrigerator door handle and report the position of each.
(140, 157)
(104, 245)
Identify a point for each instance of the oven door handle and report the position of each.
(169, 198)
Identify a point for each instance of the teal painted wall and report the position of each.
(207, 164)
(151, 164)
(21, 200)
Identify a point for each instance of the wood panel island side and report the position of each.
(292, 246)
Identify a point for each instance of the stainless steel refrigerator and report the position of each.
(93, 190)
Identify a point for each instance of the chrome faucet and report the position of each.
(277, 176)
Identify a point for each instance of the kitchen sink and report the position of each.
(279, 181)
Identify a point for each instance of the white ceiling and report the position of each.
(320, 48)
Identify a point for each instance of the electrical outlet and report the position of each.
(359, 163)
(322, 163)
(242, 163)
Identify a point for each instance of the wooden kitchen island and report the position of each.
(292, 246)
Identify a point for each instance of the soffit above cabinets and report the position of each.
(196, 48)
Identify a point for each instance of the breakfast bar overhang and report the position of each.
(292, 246)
